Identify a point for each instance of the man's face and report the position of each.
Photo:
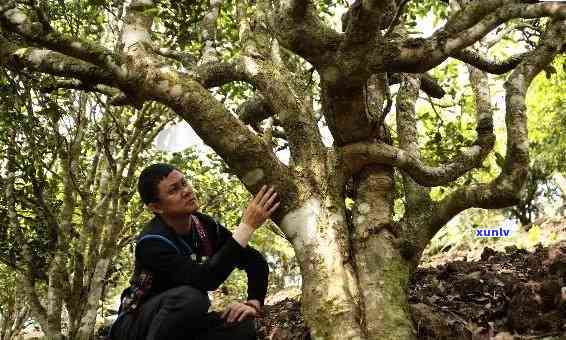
(176, 196)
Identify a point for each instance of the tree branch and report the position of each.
(208, 28)
(289, 105)
(49, 86)
(17, 58)
(29, 280)
(362, 22)
(299, 29)
(16, 21)
(491, 66)
(506, 189)
(358, 155)
(215, 74)
(429, 85)
(463, 29)
(254, 110)
(417, 197)
(186, 59)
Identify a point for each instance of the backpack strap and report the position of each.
(158, 237)
(166, 240)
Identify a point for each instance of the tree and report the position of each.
(355, 260)
(14, 309)
(68, 180)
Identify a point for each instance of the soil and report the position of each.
(505, 295)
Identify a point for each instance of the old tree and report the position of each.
(356, 259)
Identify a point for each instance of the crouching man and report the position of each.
(180, 256)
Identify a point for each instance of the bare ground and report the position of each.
(512, 294)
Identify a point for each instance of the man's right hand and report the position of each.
(260, 207)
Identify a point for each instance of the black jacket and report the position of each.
(167, 256)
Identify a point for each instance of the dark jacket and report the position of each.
(170, 258)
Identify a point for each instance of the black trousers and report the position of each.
(180, 313)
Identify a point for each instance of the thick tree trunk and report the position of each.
(361, 295)
(330, 294)
(383, 274)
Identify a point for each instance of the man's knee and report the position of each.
(187, 297)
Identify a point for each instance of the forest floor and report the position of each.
(503, 294)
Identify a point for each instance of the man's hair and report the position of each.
(149, 180)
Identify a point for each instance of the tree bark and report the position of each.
(383, 273)
(330, 291)
(356, 263)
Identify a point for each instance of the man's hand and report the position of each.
(258, 210)
(261, 207)
(239, 311)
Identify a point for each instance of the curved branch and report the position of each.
(416, 195)
(465, 28)
(506, 189)
(74, 84)
(219, 73)
(299, 29)
(17, 58)
(186, 59)
(17, 22)
(254, 110)
(358, 155)
(491, 66)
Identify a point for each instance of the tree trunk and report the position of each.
(383, 274)
(88, 321)
(360, 294)
(330, 297)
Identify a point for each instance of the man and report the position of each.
(182, 254)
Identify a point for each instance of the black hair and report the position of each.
(149, 180)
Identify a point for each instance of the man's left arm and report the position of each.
(257, 272)
(255, 266)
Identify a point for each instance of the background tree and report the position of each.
(14, 309)
(302, 72)
(547, 107)
(68, 181)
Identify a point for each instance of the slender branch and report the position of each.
(29, 280)
(491, 66)
(506, 189)
(395, 21)
(186, 59)
(358, 155)
(40, 7)
(75, 84)
(489, 42)
(463, 29)
(429, 85)
(17, 21)
(208, 29)
(416, 195)
(18, 58)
